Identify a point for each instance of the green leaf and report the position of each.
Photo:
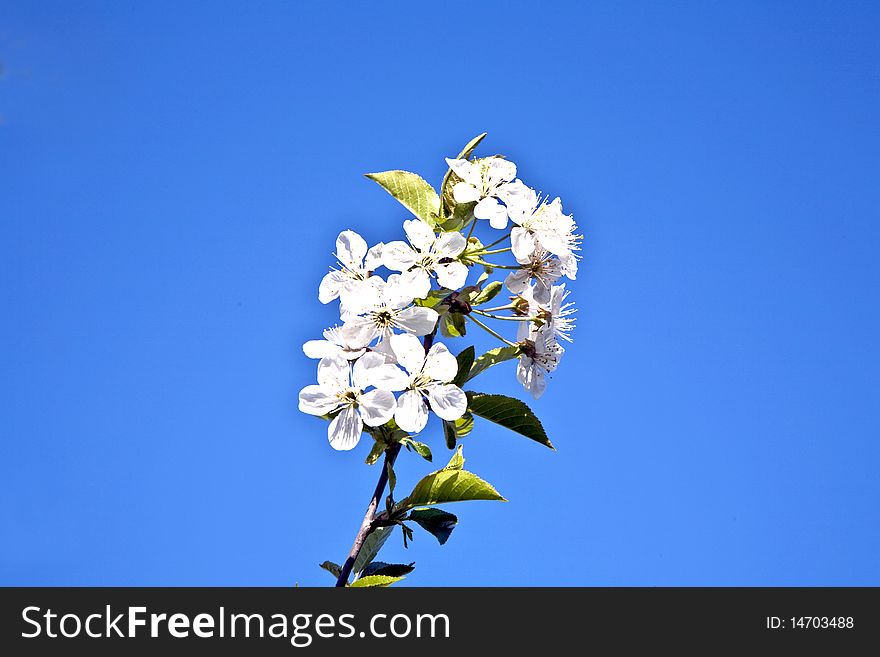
(492, 357)
(451, 484)
(407, 534)
(374, 581)
(510, 413)
(487, 293)
(388, 569)
(463, 425)
(392, 478)
(452, 325)
(372, 544)
(465, 360)
(457, 461)
(433, 299)
(375, 453)
(420, 448)
(412, 191)
(471, 146)
(447, 486)
(449, 434)
(434, 521)
(333, 568)
(462, 213)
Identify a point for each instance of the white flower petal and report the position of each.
(356, 297)
(373, 369)
(568, 266)
(420, 234)
(351, 249)
(398, 256)
(345, 430)
(464, 192)
(525, 331)
(465, 170)
(397, 292)
(519, 198)
(541, 292)
(555, 243)
(449, 245)
(383, 348)
(409, 352)
(522, 243)
(417, 320)
(412, 412)
(330, 286)
(531, 377)
(376, 407)
(447, 401)
(500, 170)
(440, 365)
(362, 370)
(359, 330)
(333, 372)
(316, 400)
(373, 259)
(517, 281)
(489, 208)
(414, 284)
(321, 349)
(452, 275)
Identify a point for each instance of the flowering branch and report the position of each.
(376, 352)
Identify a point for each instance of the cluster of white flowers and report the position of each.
(377, 351)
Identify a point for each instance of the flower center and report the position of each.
(536, 268)
(421, 381)
(348, 397)
(383, 319)
(427, 262)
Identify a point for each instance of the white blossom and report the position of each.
(356, 265)
(553, 319)
(341, 388)
(388, 307)
(544, 269)
(335, 342)
(538, 224)
(536, 361)
(426, 254)
(483, 181)
(428, 383)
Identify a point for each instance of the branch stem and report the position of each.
(515, 318)
(498, 241)
(489, 330)
(494, 266)
(473, 225)
(369, 523)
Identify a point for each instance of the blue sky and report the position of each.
(174, 175)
